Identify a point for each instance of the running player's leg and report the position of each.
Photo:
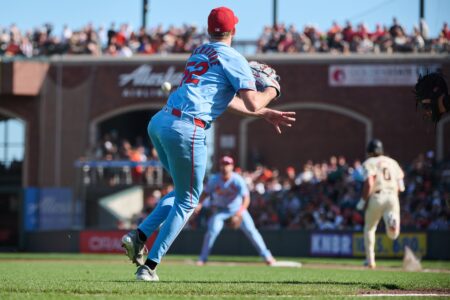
(371, 219)
(185, 147)
(215, 226)
(160, 213)
(250, 231)
(391, 217)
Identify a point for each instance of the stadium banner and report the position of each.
(376, 74)
(47, 209)
(331, 244)
(99, 241)
(55, 208)
(30, 211)
(385, 247)
(145, 81)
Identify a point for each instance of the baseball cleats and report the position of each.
(200, 263)
(393, 228)
(270, 261)
(135, 249)
(144, 273)
(371, 265)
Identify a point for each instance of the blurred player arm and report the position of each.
(202, 198)
(366, 192)
(244, 206)
(400, 182)
(369, 183)
(235, 221)
(275, 117)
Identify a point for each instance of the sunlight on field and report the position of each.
(63, 276)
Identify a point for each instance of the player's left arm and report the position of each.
(366, 192)
(245, 204)
(275, 117)
(205, 194)
(369, 183)
(368, 187)
(245, 194)
(400, 176)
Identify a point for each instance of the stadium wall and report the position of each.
(282, 243)
(341, 102)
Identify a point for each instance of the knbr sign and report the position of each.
(331, 244)
(96, 241)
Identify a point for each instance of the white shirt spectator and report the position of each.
(125, 52)
(66, 34)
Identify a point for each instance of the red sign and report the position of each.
(96, 241)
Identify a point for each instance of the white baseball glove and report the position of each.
(265, 76)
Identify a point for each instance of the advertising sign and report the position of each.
(385, 247)
(30, 218)
(55, 208)
(145, 82)
(331, 244)
(376, 75)
(98, 241)
(47, 209)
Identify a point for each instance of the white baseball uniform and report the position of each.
(383, 200)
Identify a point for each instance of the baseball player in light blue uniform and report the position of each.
(214, 74)
(231, 197)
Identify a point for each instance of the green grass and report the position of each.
(74, 276)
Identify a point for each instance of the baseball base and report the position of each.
(286, 264)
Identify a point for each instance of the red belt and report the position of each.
(197, 122)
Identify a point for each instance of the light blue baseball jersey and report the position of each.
(214, 73)
(227, 194)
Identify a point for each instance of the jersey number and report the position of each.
(386, 174)
(198, 69)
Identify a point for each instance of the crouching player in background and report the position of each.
(383, 182)
(231, 196)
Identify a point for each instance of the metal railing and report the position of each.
(120, 172)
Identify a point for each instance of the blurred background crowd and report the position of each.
(124, 41)
(324, 195)
(320, 195)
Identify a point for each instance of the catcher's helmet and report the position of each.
(427, 90)
(375, 147)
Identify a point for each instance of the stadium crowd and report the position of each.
(142, 167)
(124, 41)
(359, 39)
(324, 195)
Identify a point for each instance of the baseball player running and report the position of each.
(230, 195)
(216, 78)
(383, 182)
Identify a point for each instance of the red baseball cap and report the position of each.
(221, 19)
(227, 160)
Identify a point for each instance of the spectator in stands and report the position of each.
(396, 28)
(125, 42)
(417, 41)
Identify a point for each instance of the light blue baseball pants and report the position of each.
(215, 226)
(181, 148)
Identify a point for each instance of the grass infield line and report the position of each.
(402, 295)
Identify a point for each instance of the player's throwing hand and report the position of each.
(278, 118)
